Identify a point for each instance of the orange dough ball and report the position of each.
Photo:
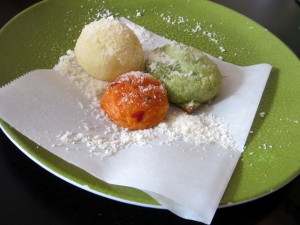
(136, 100)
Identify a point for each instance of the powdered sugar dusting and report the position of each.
(200, 129)
(69, 67)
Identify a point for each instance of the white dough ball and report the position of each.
(107, 48)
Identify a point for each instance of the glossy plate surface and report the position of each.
(37, 37)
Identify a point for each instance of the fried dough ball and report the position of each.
(108, 48)
(136, 100)
(190, 77)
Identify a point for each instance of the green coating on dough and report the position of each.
(190, 77)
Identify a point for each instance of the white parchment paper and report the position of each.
(43, 103)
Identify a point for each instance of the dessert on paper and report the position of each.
(184, 162)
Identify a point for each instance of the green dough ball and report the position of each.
(190, 77)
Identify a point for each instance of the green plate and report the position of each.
(37, 37)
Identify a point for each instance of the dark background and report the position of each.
(30, 195)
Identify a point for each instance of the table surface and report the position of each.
(31, 195)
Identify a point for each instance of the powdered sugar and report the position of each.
(69, 67)
(197, 129)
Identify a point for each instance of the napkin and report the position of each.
(185, 176)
